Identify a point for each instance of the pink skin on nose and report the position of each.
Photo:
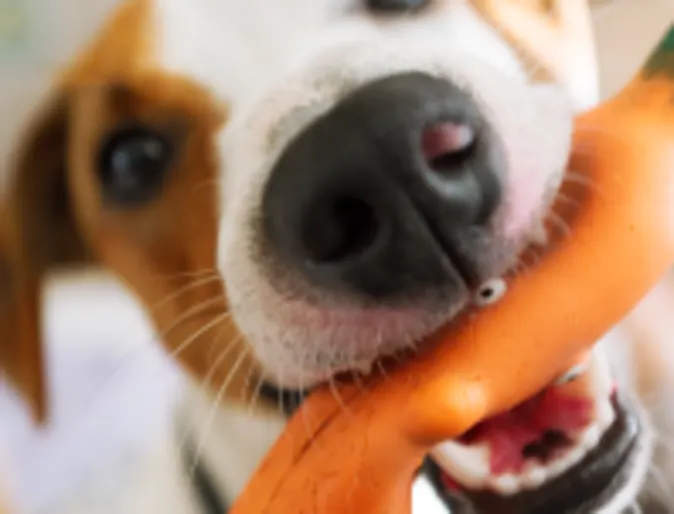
(445, 139)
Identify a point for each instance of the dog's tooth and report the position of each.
(505, 485)
(601, 376)
(534, 477)
(557, 468)
(565, 462)
(590, 437)
(604, 414)
(575, 456)
(469, 465)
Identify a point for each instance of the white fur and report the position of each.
(236, 438)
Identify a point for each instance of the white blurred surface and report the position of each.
(626, 32)
(112, 389)
(37, 38)
(112, 392)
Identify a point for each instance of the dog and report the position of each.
(296, 189)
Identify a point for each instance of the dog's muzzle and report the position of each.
(385, 194)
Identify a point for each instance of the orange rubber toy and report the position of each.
(360, 453)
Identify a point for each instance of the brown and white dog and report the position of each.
(295, 188)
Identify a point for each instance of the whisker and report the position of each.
(356, 378)
(526, 263)
(147, 348)
(572, 177)
(568, 200)
(183, 290)
(207, 381)
(255, 395)
(309, 426)
(189, 274)
(559, 223)
(281, 400)
(247, 381)
(520, 267)
(206, 183)
(214, 407)
(334, 391)
(197, 334)
(382, 369)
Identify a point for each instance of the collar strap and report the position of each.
(288, 400)
(205, 490)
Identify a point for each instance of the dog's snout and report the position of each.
(379, 194)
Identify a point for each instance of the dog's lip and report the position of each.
(582, 488)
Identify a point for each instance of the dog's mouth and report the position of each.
(568, 449)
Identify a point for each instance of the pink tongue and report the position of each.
(508, 434)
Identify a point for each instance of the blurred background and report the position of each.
(113, 391)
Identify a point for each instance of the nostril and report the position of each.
(447, 145)
(339, 228)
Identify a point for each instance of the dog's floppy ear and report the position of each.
(37, 233)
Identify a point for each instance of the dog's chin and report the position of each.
(338, 341)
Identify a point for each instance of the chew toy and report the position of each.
(357, 451)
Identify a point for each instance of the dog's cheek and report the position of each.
(534, 125)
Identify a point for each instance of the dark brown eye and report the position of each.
(133, 164)
(392, 6)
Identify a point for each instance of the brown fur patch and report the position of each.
(165, 250)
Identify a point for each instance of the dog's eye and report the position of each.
(133, 164)
(392, 6)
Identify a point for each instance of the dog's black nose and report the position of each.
(383, 194)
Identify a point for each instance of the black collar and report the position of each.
(208, 495)
(288, 400)
(205, 489)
